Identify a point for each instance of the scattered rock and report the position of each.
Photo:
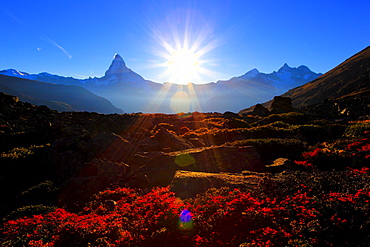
(6, 99)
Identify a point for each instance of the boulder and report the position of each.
(281, 164)
(169, 141)
(230, 115)
(281, 104)
(260, 110)
(187, 184)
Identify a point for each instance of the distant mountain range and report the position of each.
(56, 96)
(132, 93)
(347, 83)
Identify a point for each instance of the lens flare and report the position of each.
(184, 43)
(186, 220)
(184, 160)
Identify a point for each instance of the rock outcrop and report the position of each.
(6, 99)
(281, 105)
(159, 168)
(281, 164)
(187, 184)
(170, 141)
(230, 115)
(260, 110)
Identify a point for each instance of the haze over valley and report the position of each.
(130, 92)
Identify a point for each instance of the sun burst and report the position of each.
(183, 64)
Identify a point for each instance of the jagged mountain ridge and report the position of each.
(349, 79)
(131, 92)
(283, 79)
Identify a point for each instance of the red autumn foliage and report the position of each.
(219, 217)
(216, 218)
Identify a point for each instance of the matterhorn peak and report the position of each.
(117, 67)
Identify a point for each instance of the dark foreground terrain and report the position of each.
(296, 178)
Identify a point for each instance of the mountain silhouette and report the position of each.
(56, 96)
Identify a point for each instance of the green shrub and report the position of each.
(29, 211)
(320, 182)
(23, 161)
(321, 122)
(267, 131)
(20, 153)
(309, 133)
(357, 130)
(334, 131)
(44, 193)
(17, 153)
(279, 124)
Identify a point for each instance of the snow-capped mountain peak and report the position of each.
(13, 72)
(117, 67)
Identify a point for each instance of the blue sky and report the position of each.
(80, 38)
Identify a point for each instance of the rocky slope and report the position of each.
(336, 89)
(350, 78)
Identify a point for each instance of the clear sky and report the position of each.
(229, 37)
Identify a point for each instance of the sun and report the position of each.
(183, 64)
